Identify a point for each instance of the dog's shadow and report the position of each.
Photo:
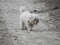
(36, 30)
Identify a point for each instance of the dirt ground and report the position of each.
(47, 32)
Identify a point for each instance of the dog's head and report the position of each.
(33, 22)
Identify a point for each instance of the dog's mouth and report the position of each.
(33, 23)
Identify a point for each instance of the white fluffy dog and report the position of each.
(27, 19)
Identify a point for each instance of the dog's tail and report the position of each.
(22, 9)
